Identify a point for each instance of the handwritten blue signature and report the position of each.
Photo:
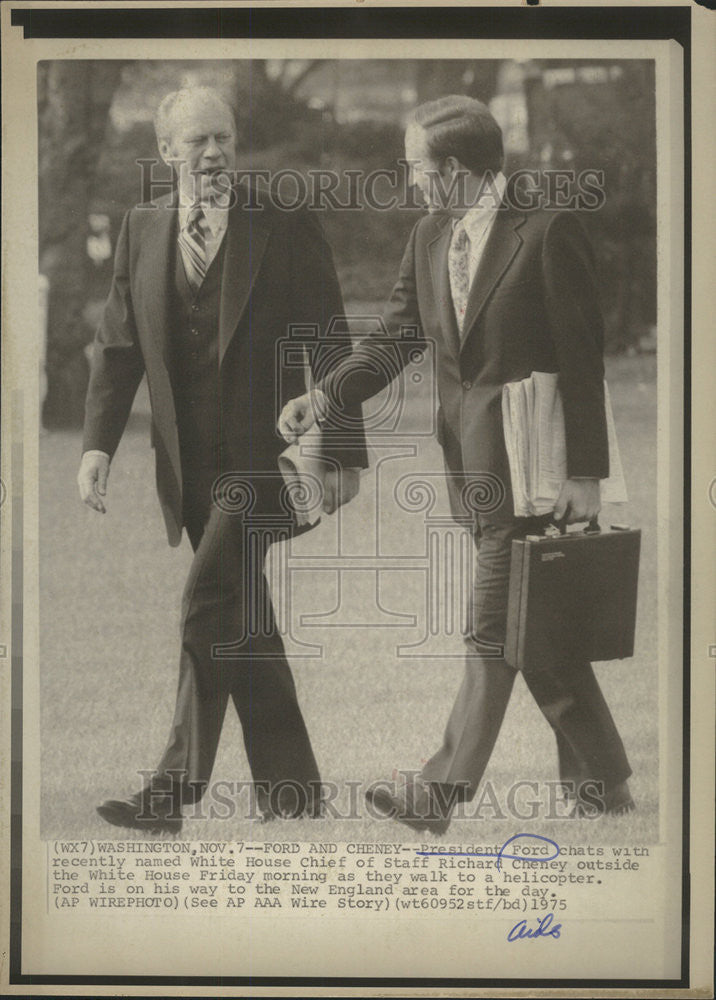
(543, 929)
(501, 853)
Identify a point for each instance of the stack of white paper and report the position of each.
(533, 419)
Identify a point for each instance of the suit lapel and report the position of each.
(157, 273)
(246, 237)
(152, 279)
(438, 256)
(502, 244)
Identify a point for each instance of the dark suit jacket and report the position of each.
(533, 306)
(277, 272)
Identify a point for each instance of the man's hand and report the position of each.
(300, 414)
(579, 500)
(92, 479)
(340, 486)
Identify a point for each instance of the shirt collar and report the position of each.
(488, 204)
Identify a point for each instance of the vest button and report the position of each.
(466, 384)
(195, 332)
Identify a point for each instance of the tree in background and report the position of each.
(265, 94)
(601, 115)
(74, 98)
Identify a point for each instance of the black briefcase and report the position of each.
(572, 597)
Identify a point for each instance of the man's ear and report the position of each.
(165, 151)
(451, 165)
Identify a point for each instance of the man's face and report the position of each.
(202, 147)
(425, 173)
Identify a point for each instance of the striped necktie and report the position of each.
(459, 271)
(192, 241)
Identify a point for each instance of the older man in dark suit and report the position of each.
(502, 293)
(207, 283)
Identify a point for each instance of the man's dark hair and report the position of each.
(462, 127)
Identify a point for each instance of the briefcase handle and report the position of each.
(593, 528)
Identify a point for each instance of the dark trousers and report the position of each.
(226, 601)
(589, 747)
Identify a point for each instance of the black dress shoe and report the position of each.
(158, 815)
(414, 804)
(617, 801)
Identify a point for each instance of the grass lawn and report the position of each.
(110, 596)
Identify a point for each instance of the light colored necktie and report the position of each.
(192, 240)
(459, 271)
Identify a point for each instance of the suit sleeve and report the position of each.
(577, 331)
(318, 302)
(381, 356)
(117, 363)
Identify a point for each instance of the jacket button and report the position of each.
(195, 332)
(466, 384)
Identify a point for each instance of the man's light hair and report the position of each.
(183, 96)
